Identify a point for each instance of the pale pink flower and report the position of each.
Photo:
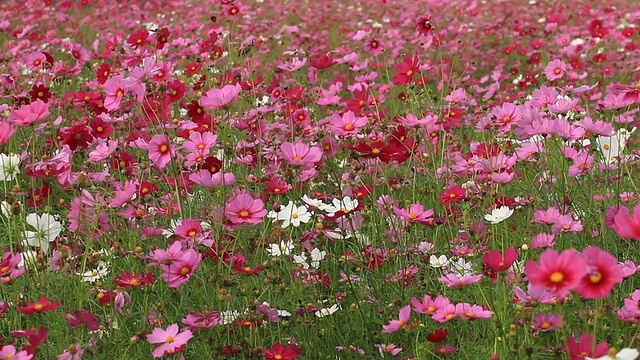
(218, 98)
(169, 340)
(346, 124)
(470, 312)
(416, 213)
(103, 150)
(547, 322)
(30, 113)
(300, 154)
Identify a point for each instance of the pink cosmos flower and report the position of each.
(124, 193)
(506, 115)
(10, 267)
(444, 314)
(160, 150)
(212, 181)
(631, 304)
(244, 209)
(389, 348)
(603, 273)
(429, 306)
(470, 312)
(547, 322)
(565, 223)
(171, 340)
(403, 319)
(219, 98)
(36, 60)
(373, 46)
(300, 154)
(10, 352)
(416, 213)
(556, 272)
(30, 113)
(114, 88)
(200, 142)
(103, 150)
(205, 319)
(180, 270)
(346, 124)
(555, 69)
(453, 280)
(626, 225)
(6, 131)
(542, 240)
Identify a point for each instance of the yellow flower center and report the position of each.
(595, 278)
(556, 277)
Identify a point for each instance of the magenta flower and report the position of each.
(346, 124)
(555, 69)
(170, 340)
(416, 213)
(403, 319)
(389, 348)
(160, 150)
(444, 314)
(578, 350)
(6, 131)
(603, 273)
(300, 154)
(626, 225)
(218, 98)
(556, 272)
(497, 262)
(30, 113)
(244, 209)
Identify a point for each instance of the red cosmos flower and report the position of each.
(80, 317)
(175, 90)
(103, 72)
(241, 269)
(37, 196)
(138, 38)
(424, 26)
(438, 335)
(496, 262)
(406, 70)
(40, 92)
(162, 37)
(452, 194)
(105, 296)
(77, 136)
(279, 352)
(126, 280)
(323, 62)
(34, 337)
(377, 149)
(100, 128)
(43, 305)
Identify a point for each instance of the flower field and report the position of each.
(298, 179)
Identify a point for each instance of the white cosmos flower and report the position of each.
(294, 215)
(498, 215)
(47, 230)
(438, 261)
(318, 204)
(9, 166)
(345, 204)
(327, 311)
(460, 267)
(624, 354)
(611, 147)
(278, 250)
(316, 256)
(228, 316)
(98, 273)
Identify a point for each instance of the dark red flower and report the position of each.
(103, 72)
(40, 92)
(279, 352)
(84, 316)
(138, 38)
(438, 335)
(127, 280)
(323, 62)
(452, 194)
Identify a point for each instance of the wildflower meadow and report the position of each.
(319, 179)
